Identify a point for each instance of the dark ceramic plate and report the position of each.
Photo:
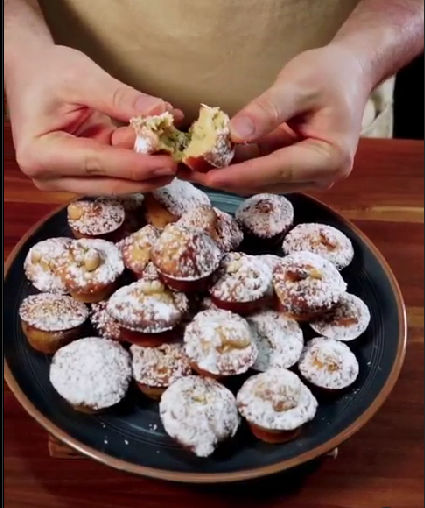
(131, 437)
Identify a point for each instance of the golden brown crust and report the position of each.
(149, 339)
(186, 286)
(82, 408)
(95, 296)
(302, 317)
(205, 373)
(153, 392)
(274, 436)
(100, 218)
(49, 342)
(157, 214)
(136, 249)
(241, 308)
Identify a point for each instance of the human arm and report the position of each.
(61, 105)
(303, 132)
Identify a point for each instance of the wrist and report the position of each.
(358, 62)
(25, 32)
(18, 54)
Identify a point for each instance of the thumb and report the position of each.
(264, 114)
(100, 91)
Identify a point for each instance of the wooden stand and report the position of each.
(59, 450)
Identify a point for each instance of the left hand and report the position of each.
(303, 132)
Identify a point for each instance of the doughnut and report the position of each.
(99, 218)
(307, 286)
(44, 262)
(185, 258)
(325, 241)
(219, 343)
(199, 414)
(349, 319)
(51, 321)
(93, 270)
(242, 284)
(279, 340)
(91, 374)
(329, 365)
(266, 218)
(136, 249)
(276, 405)
(147, 312)
(156, 368)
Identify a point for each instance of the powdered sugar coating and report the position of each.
(44, 262)
(325, 241)
(220, 343)
(241, 279)
(230, 233)
(307, 282)
(221, 226)
(75, 274)
(276, 400)
(178, 197)
(271, 260)
(147, 306)
(266, 215)
(279, 340)
(185, 254)
(104, 324)
(150, 272)
(159, 366)
(99, 216)
(91, 372)
(222, 152)
(208, 304)
(136, 248)
(51, 312)
(148, 130)
(347, 322)
(329, 364)
(199, 413)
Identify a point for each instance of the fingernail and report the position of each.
(148, 105)
(243, 127)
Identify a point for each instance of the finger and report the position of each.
(100, 186)
(98, 127)
(263, 115)
(307, 161)
(281, 137)
(100, 91)
(65, 155)
(196, 177)
(123, 137)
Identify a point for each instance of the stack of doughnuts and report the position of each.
(184, 309)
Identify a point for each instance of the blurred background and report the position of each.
(409, 101)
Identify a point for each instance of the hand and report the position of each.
(303, 132)
(61, 108)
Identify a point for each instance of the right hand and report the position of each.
(61, 105)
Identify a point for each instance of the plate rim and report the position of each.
(237, 476)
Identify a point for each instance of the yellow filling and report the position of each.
(203, 133)
(201, 138)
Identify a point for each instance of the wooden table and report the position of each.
(382, 466)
